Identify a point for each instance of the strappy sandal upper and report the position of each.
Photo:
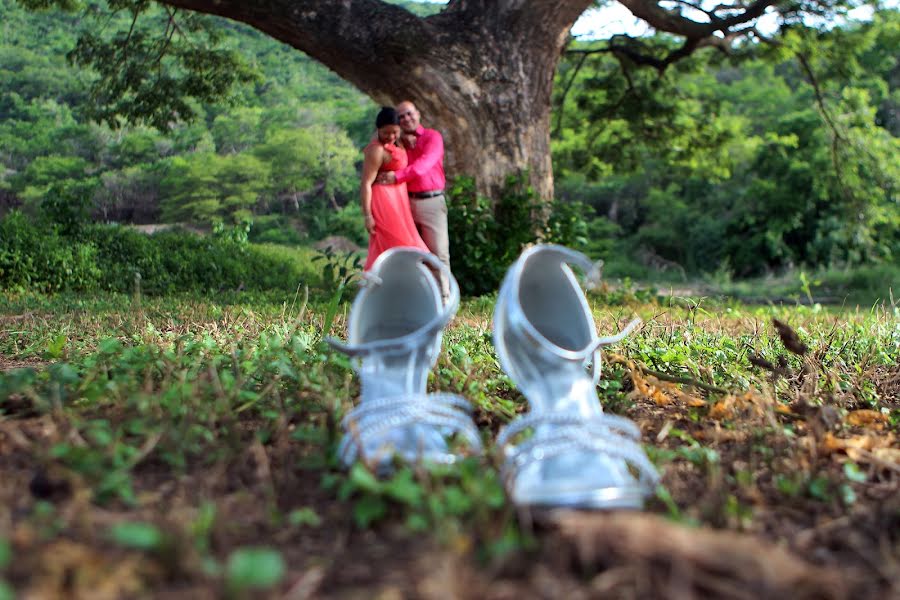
(395, 416)
(546, 338)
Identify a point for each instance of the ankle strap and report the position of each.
(412, 340)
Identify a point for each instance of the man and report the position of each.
(425, 180)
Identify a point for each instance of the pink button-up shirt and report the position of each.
(425, 172)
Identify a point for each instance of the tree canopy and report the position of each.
(481, 70)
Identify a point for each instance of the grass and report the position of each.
(865, 285)
(183, 445)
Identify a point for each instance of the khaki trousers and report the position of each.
(430, 216)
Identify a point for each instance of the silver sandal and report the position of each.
(394, 335)
(545, 336)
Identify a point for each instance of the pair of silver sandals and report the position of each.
(576, 456)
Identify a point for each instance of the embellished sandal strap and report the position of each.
(602, 424)
(606, 434)
(371, 419)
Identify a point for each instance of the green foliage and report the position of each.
(347, 222)
(478, 242)
(42, 259)
(487, 237)
(6, 592)
(156, 64)
(254, 568)
(205, 187)
(338, 268)
(314, 158)
(770, 159)
(5, 553)
(286, 151)
(113, 258)
(447, 501)
(187, 387)
(67, 205)
(138, 536)
(774, 158)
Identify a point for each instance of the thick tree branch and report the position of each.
(364, 41)
(368, 42)
(640, 55)
(672, 21)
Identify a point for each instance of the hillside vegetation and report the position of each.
(774, 159)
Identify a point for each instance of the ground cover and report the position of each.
(181, 447)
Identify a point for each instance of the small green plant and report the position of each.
(251, 569)
(6, 592)
(338, 268)
(137, 536)
(463, 499)
(237, 234)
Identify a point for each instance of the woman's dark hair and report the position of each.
(386, 116)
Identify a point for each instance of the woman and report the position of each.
(385, 207)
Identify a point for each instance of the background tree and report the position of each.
(314, 161)
(206, 188)
(480, 70)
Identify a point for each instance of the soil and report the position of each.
(793, 547)
(760, 507)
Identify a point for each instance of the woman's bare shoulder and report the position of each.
(374, 148)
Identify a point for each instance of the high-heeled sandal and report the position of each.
(394, 334)
(545, 336)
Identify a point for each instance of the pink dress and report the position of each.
(394, 224)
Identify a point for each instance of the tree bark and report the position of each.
(481, 71)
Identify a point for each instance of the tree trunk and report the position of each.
(481, 71)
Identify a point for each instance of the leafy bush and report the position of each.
(67, 205)
(486, 238)
(37, 258)
(474, 239)
(322, 221)
(112, 257)
(275, 229)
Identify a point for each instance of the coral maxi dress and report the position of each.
(394, 224)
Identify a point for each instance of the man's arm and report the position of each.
(432, 152)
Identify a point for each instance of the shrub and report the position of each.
(38, 258)
(110, 257)
(67, 205)
(322, 221)
(275, 229)
(476, 241)
(486, 238)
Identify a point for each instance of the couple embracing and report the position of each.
(402, 187)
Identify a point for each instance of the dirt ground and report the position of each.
(796, 548)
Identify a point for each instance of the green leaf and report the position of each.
(853, 473)
(5, 553)
(362, 479)
(6, 592)
(55, 348)
(140, 536)
(257, 568)
(304, 516)
(818, 489)
(63, 373)
(458, 503)
(404, 488)
(368, 510)
(848, 496)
